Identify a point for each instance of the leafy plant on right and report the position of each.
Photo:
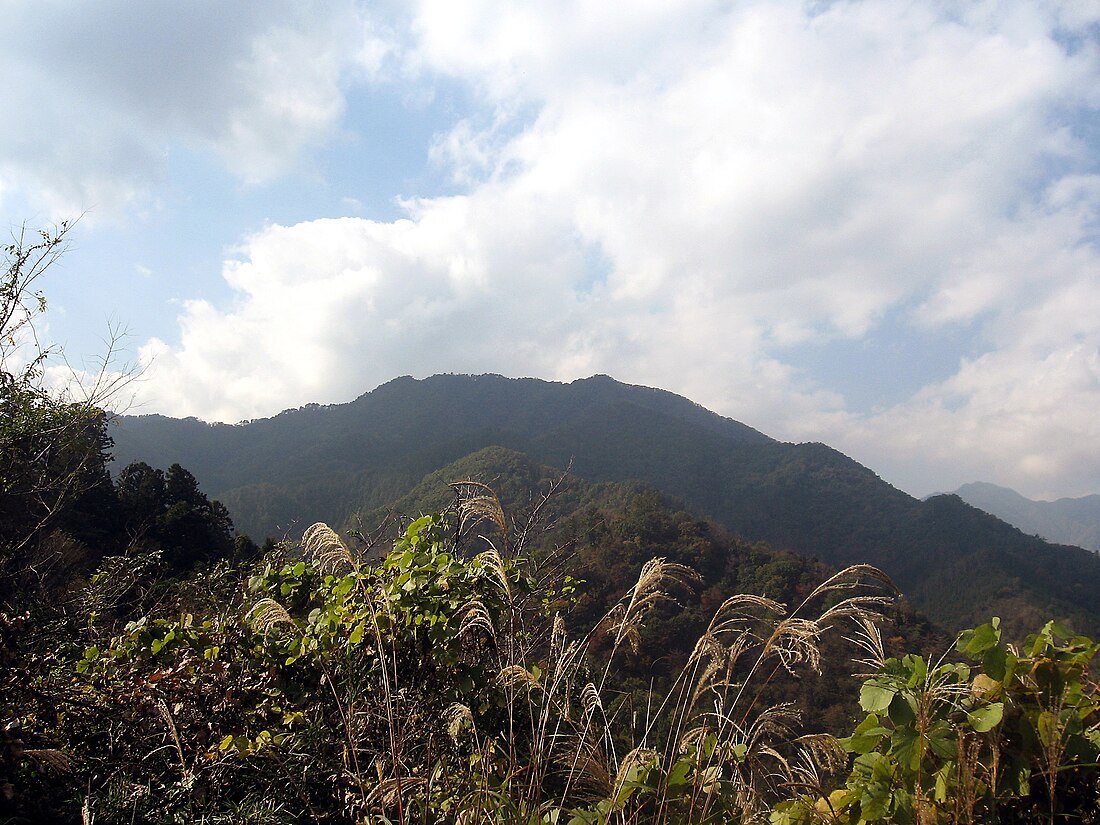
(1012, 737)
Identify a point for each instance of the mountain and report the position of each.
(1073, 521)
(607, 531)
(333, 463)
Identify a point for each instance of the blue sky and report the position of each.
(872, 224)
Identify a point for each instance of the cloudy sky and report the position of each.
(872, 224)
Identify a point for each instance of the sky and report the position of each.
(872, 224)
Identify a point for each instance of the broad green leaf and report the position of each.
(987, 717)
(995, 663)
(918, 670)
(908, 747)
(873, 803)
(678, 775)
(942, 741)
(1023, 780)
(901, 709)
(709, 778)
(943, 784)
(866, 737)
(1050, 731)
(709, 745)
(875, 698)
(357, 634)
(985, 686)
(979, 640)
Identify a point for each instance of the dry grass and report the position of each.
(566, 744)
(332, 556)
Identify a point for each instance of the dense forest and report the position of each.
(496, 641)
(346, 462)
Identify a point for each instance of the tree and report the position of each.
(53, 442)
(142, 496)
(192, 528)
(168, 512)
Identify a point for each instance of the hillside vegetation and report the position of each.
(467, 675)
(598, 657)
(954, 562)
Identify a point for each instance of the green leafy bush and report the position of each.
(442, 683)
(1013, 737)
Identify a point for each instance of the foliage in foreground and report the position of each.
(1012, 737)
(442, 684)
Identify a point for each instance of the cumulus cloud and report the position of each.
(684, 197)
(97, 95)
(1023, 410)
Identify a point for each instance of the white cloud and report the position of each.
(1024, 411)
(1021, 414)
(677, 196)
(97, 95)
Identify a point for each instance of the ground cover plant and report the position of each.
(448, 680)
(443, 684)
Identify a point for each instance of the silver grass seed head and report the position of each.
(456, 717)
(266, 615)
(517, 675)
(322, 544)
(477, 502)
(590, 698)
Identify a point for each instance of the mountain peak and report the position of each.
(333, 463)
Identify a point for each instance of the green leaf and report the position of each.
(943, 788)
(978, 641)
(357, 634)
(918, 672)
(985, 718)
(1050, 731)
(710, 744)
(873, 803)
(679, 773)
(908, 747)
(875, 698)
(942, 740)
(901, 709)
(995, 663)
(867, 736)
(1023, 780)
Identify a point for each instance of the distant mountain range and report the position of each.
(335, 463)
(1073, 521)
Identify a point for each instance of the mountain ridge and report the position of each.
(1074, 521)
(332, 463)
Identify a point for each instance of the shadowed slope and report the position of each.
(328, 463)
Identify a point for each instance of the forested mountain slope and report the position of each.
(329, 463)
